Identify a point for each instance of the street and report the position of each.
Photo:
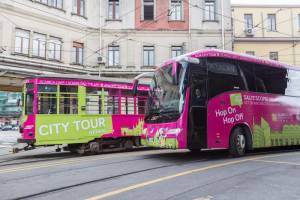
(150, 174)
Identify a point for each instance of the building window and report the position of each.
(148, 12)
(113, 55)
(210, 10)
(39, 45)
(299, 22)
(248, 21)
(272, 22)
(274, 55)
(176, 10)
(176, 51)
(54, 48)
(52, 3)
(148, 56)
(252, 53)
(22, 41)
(78, 53)
(211, 47)
(113, 9)
(79, 7)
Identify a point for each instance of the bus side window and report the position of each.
(293, 83)
(127, 102)
(223, 76)
(248, 72)
(270, 79)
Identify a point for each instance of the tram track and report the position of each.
(50, 191)
(58, 156)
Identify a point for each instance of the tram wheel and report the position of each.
(95, 147)
(237, 142)
(128, 144)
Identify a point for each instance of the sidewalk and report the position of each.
(7, 140)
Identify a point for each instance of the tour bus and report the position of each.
(87, 114)
(214, 99)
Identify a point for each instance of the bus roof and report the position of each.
(231, 55)
(84, 77)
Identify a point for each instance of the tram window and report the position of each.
(47, 99)
(293, 83)
(29, 86)
(29, 99)
(93, 100)
(141, 102)
(127, 102)
(68, 100)
(270, 79)
(68, 89)
(111, 105)
(223, 76)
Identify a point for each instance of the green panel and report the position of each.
(135, 131)
(263, 136)
(66, 129)
(81, 99)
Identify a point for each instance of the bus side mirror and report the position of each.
(135, 87)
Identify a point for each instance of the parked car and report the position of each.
(7, 128)
(15, 128)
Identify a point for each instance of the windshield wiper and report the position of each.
(159, 114)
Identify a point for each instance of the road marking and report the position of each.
(165, 178)
(279, 162)
(72, 161)
(140, 185)
(205, 198)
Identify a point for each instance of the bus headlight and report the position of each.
(174, 131)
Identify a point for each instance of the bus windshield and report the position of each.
(166, 97)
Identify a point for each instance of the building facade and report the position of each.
(104, 37)
(271, 31)
(10, 104)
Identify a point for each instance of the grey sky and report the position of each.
(288, 2)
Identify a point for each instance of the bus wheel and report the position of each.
(237, 142)
(195, 151)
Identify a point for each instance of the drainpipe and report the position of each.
(222, 20)
(100, 36)
(190, 35)
(293, 35)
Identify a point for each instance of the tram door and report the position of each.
(197, 136)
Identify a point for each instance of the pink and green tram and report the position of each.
(83, 113)
(213, 99)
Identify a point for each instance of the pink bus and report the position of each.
(213, 99)
(85, 113)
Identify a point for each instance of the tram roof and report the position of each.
(217, 53)
(85, 77)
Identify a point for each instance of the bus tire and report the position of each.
(238, 143)
(195, 151)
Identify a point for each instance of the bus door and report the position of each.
(197, 137)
